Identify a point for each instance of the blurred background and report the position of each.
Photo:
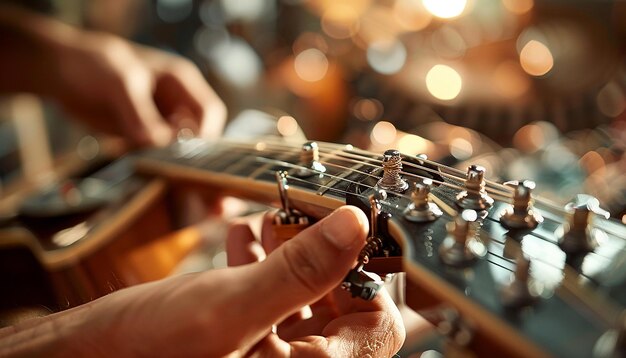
(526, 88)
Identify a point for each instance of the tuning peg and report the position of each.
(392, 166)
(517, 294)
(521, 215)
(454, 250)
(287, 221)
(309, 161)
(421, 209)
(474, 196)
(578, 236)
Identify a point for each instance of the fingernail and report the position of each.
(342, 228)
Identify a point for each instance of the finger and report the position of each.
(306, 267)
(377, 333)
(184, 86)
(141, 120)
(241, 246)
(268, 236)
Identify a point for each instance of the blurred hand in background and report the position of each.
(143, 94)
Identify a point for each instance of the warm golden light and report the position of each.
(411, 14)
(412, 144)
(510, 81)
(536, 59)
(340, 21)
(445, 9)
(383, 133)
(518, 6)
(311, 65)
(287, 126)
(443, 82)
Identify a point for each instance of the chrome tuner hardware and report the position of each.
(392, 166)
(578, 236)
(287, 221)
(309, 164)
(517, 294)
(421, 209)
(521, 215)
(474, 196)
(454, 250)
(361, 283)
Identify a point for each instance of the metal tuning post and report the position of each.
(421, 209)
(578, 236)
(517, 294)
(309, 161)
(359, 282)
(392, 166)
(474, 196)
(521, 215)
(454, 250)
(288, 222)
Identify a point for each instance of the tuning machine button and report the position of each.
(309, 164)
(421, 209)
(578, 236)
(474, 196)
(521, 215)
(454, 250)
(517, 294)
(288, 222)
(392, 167)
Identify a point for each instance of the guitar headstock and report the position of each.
(527, 277)
(531, 277)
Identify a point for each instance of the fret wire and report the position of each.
(453, 186)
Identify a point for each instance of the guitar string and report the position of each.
(354, 156)
(498, 196)
(549, 203)
(558, 208)
(296, 166)
(296, 150)
(546, 202)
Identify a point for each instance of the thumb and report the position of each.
(308, 266)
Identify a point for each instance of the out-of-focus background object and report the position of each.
(526, 88)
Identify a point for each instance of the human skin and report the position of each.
(110, 84)
(231, 312)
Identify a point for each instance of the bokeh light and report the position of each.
(386, 57)
(340, 21)
(287, 126)
(518, 6)
(445, 9)
(383, 133)
(411, 14)
(536, 58)
(311, 65)
(443, 82)
(412, 144)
